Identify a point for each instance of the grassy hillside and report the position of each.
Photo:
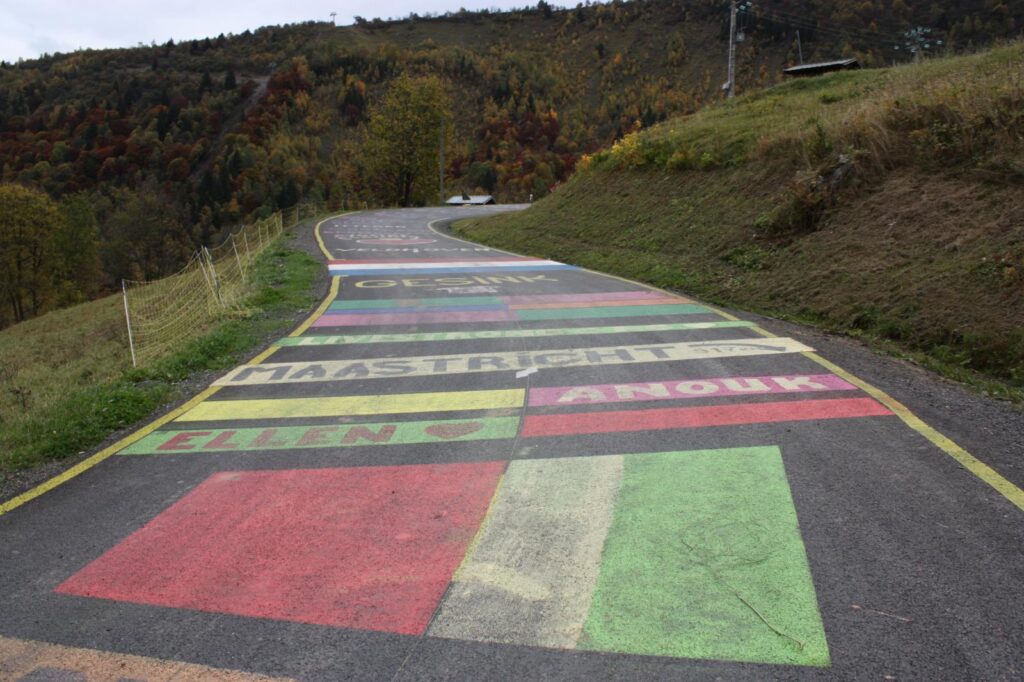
(883, 202)
(66, 380)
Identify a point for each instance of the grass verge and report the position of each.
(66, 378)
(884, 204)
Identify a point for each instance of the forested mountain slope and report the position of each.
(173, 144)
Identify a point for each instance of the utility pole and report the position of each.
(730, 84)
(440, 163)
(799, 47)
(734, 9)
(333, 22)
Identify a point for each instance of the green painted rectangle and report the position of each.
(617, 311)
(704, 559)
(197, 441)
(342, 339)
(414, 302)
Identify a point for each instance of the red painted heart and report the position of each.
(453, 431)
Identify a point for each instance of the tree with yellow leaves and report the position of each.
(404, 137)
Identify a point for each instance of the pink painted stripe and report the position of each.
(537, 425)
(414, 318)
(685, 388)
(603, 304)
(597, 296)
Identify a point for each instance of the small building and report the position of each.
(470, 200)
(819, 68)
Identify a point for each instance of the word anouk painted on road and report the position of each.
(612, 553)
(685, 388)
(324, 436)
(299, 372)
(337, 340)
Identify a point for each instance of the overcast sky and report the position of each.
(28, 28)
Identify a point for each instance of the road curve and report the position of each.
(474, 464)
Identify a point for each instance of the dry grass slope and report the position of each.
(888, 203)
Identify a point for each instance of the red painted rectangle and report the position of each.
(348, 320)
(371, 548)
(537, 425)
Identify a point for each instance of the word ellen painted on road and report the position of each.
(323, 436)
(685, 388)
(383, 368)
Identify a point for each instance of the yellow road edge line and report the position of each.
(106, 452)
(88, 463)
(974, 465)
(968, 461)
(320, 239)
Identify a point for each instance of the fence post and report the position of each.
(238, 259)
(213, 276)
(128, 321)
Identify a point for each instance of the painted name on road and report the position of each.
(323, 436)
(384, 368)
(685, 388)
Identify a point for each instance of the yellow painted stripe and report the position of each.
(320, 239)
(20, 658)
(149, 428)
(401, 403)
(966, 459)
(103, 454)
(983, 471)
(321, 309)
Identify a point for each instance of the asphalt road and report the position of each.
(476, 465)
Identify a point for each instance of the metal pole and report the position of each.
(731, 83)
(128, 320)
(213, 276)
(440, 163)
(799, 47)
(238, 259)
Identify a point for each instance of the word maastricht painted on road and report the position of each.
(611, 553)
(384, 368)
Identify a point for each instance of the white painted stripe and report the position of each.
(440, 365)
(429, 265)
(529, 576)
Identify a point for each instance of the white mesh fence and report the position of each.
(165, 313)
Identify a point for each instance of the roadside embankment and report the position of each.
(67, 382)
(887, 204)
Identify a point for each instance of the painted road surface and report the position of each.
(471, 464)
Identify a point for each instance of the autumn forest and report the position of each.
(118, 164)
